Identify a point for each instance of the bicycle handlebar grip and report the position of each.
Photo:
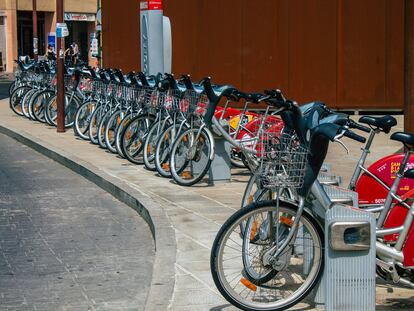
(354, 136)
(360, 127)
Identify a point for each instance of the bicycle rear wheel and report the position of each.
(237, 265)
(191, 156)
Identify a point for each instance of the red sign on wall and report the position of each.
(151, 5)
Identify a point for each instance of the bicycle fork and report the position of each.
(271, 255)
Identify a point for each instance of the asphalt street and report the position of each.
(66, 244)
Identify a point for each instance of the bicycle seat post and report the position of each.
(365, 151)
(394, 188)
(241, 118)
(224, 109)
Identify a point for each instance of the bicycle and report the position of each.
(265, 248)
(193, 150)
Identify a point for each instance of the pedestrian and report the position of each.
(75, 52)
(69, 55)
(50, 53)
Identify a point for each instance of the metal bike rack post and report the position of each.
(349, 280)
(220, 169)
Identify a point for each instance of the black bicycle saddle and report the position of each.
(384, 123)
(404, 137)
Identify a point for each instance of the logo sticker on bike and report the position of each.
(395, 167)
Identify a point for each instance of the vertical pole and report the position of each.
(35, 38)
(60, 73)
(408, 66)
(99, 35)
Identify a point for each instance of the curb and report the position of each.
(163, 274)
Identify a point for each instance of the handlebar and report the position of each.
(355, 125)
(354, 136)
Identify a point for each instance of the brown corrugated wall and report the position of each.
(348, 53)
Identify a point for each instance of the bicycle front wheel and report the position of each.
(83, 118)
(191, 156)
(237, 262)
(163, 150)
(39, 103)
(16, 99)
(133, 137)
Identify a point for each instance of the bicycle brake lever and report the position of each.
(342, 144)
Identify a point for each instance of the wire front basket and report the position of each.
(70, 81)
(192, 103)
(282, 161)
(86, 84)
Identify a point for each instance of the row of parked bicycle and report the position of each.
(156, 121)
(269, 254)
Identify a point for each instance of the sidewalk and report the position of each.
(184, 220)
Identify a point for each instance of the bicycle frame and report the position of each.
(249, 152)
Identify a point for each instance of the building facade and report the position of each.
(16, 27)
(347, 53)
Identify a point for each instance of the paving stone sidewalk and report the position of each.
(195, 213)
(66, 244)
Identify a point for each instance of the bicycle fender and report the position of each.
(213, 146)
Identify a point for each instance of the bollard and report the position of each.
(220, 169)
(349, 259)
(341, 195)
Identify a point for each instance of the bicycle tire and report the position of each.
(235, 160)
(311, 275)
(48, 114)
(181, 152)
(25, 102)
(39, 107)
(163, 150)
(30, 105)
(15, 100)
(70, 111)
(150, 145)
(132, 138)
(82, 119)
(125, 121)
(101, 129)
(111, 128)
(94, 124)
(12, 87)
